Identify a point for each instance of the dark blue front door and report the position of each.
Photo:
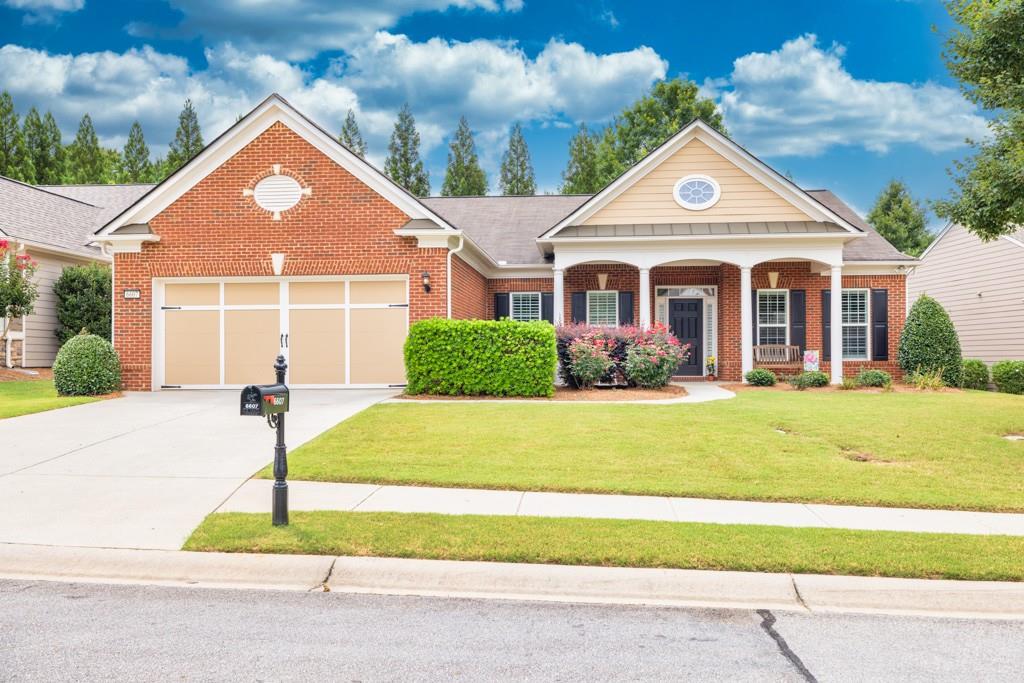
(686, 320)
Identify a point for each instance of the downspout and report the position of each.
(448, 282)
(105, 250)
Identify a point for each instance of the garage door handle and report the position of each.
(398, 305)
(286, 341)
(170, 308)
(281, 343)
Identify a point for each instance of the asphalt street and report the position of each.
(62, 631)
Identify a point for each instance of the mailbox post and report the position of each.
(272, 401)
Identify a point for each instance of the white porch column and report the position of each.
(645, 299)
(559, 297)
(746, 323)
(836, 337)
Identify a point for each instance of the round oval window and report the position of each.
(696, 192)
(277, 193)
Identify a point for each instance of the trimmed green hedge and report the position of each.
(83, 301)
(86, 365)
(1008, 376)
(480, 358)
(975, 374)
(929, 342)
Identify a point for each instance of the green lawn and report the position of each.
(942, 450)
(631, 543)
(34, 396)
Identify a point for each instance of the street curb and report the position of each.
(807, 593)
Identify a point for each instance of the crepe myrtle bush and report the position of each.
(590, 358)
(480, 358)
(975, 374)
(1008, 376)
(618, 340)
(654, 356)
(86, 365)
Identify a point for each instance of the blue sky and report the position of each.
(843, 95)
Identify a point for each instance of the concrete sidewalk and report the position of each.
(254, 496)
(553, 583)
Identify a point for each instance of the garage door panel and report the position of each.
(316, 346)
(252, 293)
(192, 294)
(377, 338)
(377, 292)
(192, 347)
(251, 343)
(316, 293)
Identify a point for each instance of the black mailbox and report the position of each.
(264, 399)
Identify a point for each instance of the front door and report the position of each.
(686, 318)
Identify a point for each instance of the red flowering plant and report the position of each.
(617, 341)
(653, 357)
(17, 286)
(590, 358)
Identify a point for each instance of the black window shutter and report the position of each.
(579, 307)
(547, 306)
(826, 324)
(753, 318)
(880, 324)
(625, 308)
(798, 318)
(501, 305)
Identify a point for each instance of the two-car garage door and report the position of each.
(338, 332)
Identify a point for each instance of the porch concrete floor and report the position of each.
(254, 496)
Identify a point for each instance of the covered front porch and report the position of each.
(723, 301)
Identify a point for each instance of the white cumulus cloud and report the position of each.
(44, 10)
(800, 100)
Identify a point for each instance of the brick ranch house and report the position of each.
(278, 239)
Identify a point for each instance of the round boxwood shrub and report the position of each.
(86, 365)
(929, 342)
(1008, 376)
(975, 374)
(873, 378)
(807, 380)
(760, 377)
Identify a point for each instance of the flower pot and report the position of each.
(710, 377)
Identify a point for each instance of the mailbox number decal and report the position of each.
(274, 399)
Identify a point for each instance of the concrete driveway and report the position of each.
(143, 471)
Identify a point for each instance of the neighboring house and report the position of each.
(53, 224)
(278, 239)
(981, 286)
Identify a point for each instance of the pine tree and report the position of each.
(85, 160)
(581, 173)
(900, 219)
(351, 137)
(403, 163)
(517, 176)
(12, 147)
(188, 139)
(135, 164)
(464, 177)
(44, 153)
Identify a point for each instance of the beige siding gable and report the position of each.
(744, 198)
(981, 286)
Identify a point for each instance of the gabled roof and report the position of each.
(274, 109)
(47, 219)
(721, 144)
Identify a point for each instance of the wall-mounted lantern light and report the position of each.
(426, 281)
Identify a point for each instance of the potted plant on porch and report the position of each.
(709, 365)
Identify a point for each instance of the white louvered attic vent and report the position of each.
(277, 193)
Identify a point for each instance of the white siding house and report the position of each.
(981, 286)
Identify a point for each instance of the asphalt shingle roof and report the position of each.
(110, 199)
(45, 218)
(871, 247)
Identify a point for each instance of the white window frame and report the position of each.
(615, 298)
(512, 308)
(866, 324)
(757, 313)
(717, 189)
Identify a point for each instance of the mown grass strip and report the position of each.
(619, 543)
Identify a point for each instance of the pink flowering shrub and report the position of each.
(590, 358)
(654, 356)
(17, 286)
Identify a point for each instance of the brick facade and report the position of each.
(342, 228)
(469, 291)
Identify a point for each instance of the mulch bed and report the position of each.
(566, 394)
(20, 375)
(898, 388)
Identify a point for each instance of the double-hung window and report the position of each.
(772, 316)
(855, 324)
(603, 308)
(524, 306)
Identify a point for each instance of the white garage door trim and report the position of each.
(159, 311)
